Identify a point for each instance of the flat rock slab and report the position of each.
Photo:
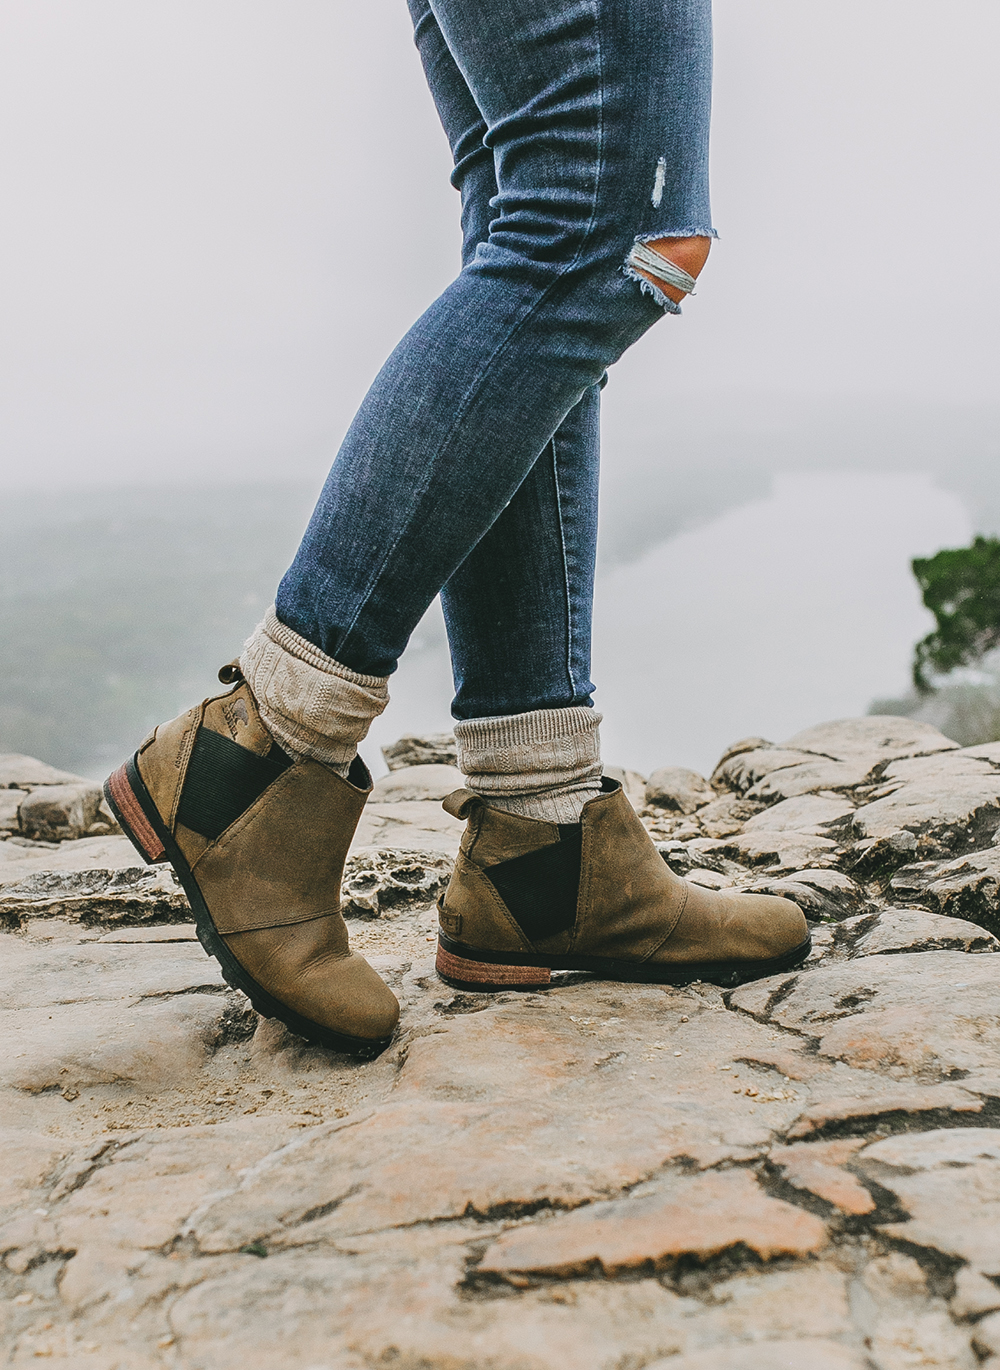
(926, 1016)
(699, 1216)
(741, 771)
(883, 736)
(131, 894)
(157, 1043)
(432, 781)
(819, 1167)
(415, 825)
(815, 1353)
(805, 777)
(780, 850)
(810, 814)
(18, 858)
(26, 772)
(948, 1181)
(39, 976)
(508, 1109)
(522, 1104)
(598, 1175)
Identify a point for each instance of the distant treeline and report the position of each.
(956, 668)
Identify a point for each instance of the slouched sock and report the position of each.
(310, 704)
(544, 764)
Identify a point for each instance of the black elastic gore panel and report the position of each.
(222, 781)
(540, 889)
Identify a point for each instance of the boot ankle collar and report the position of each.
(461, 803)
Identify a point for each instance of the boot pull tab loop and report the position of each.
(461, 803)
(230, 674)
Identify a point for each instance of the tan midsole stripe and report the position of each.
(131, 811)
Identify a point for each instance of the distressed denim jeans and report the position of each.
(578, 128)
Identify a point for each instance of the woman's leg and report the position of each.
(581, 103)
(518, 609)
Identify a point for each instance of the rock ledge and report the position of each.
(802, 1171)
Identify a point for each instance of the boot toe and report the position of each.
(361, 1004)
(334, 989)
(772, 926)
(345, 995)
(728, 926)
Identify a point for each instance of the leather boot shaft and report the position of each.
(259, 842)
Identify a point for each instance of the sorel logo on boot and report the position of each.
(450, 922)
(235, 714)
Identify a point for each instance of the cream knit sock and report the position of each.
(311, 704)
(544, 764)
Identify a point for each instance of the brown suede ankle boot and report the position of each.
(259, 844)
(527, 898)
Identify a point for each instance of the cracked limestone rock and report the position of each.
(48, 805)
(136, 894)
(943, 803)
(674, 787)
(427, 749)
(417, 782)
(904, 1323)
(379, 880)
(948, 1183)
(968, 887)
(916, 930)
(928, 1016)
(698, 1216)
(798, 1172)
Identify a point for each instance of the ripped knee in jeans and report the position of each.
(657, 275)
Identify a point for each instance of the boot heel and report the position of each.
(483, 976)
(129, 812)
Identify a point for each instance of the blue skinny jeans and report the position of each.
(578, 127)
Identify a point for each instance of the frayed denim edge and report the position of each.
(648, 288)
(644, 283)
(676, 233)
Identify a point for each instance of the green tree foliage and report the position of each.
(961, 587)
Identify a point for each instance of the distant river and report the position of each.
(789, 610)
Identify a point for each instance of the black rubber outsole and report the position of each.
(233, 973)
(725, 974)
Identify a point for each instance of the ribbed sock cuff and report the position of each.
(545, 764)
(311, 704)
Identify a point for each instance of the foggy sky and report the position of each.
(219, 215)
